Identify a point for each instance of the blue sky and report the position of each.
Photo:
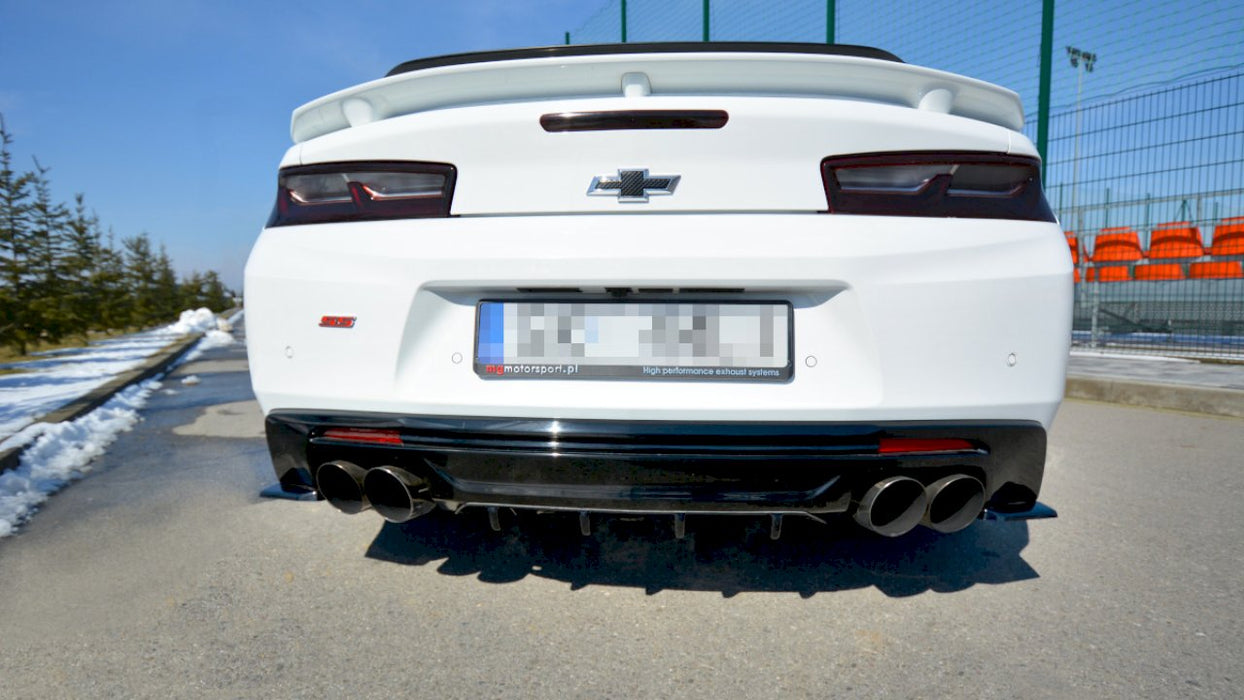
(171, 115)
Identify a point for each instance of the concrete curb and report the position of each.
(1177, 397)
(156, 364)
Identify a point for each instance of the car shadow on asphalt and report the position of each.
(725, 554)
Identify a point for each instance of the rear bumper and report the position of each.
(662, 466)
(893, 318)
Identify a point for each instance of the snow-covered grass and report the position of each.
(58, 453)
(60, 376)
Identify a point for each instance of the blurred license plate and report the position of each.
(635, 340)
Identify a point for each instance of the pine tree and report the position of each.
(140, 276)
(215, 295)
(14, 249)
(82, 265)
(168, 294)
(109, 279)
(49, 302)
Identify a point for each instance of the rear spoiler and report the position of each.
(662, 47)
(638, 70)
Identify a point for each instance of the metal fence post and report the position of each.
(1043, 96)
(830, 15)
(623, 21)
(706, 20)
(1095, 306)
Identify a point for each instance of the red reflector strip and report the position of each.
(889, 446)
(337, 321)
(370, 436)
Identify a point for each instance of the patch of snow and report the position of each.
(23, 437)
(59, 377)
(193, 321)
(191, 380)
(62, 452)
(216, 338)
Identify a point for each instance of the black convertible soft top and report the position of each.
(662, 47)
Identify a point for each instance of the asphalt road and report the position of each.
(164, 573)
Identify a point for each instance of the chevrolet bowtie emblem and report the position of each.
(633, 185)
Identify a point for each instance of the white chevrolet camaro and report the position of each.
(730, 278)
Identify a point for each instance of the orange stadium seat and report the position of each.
(1164, 271)
(1118, 244)
(1225, 269)
(1177, 239)
(1228, 237)
(1074, 244)
(1114, 273)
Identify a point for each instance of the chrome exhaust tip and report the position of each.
(341, 484)
(954, 502)
(396, 494)
(892, 506)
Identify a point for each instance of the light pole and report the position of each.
(1082, 62)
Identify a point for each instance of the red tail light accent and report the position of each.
(369, 191)
(890, 446)
(968, 185)
(368, 436)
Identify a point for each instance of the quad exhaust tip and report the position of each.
(396, 494)
(341, 484)
(892, 506)
(954, 502)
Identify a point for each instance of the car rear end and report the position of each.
(670, 279)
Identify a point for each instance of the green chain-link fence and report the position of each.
(1144, 139)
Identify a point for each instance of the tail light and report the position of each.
(967, 185)
(328, 192)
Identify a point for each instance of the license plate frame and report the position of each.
(520, 351)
